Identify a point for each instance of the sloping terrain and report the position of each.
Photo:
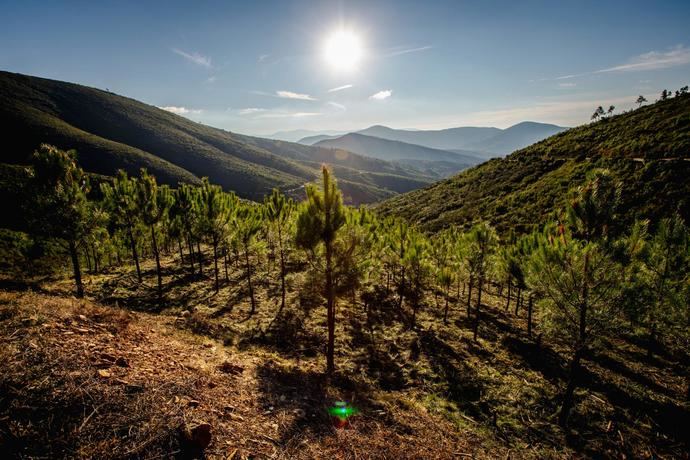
(443, 139)
(647, 150)
(112, 132)
(427, 159)
(124, 375)
(311, 140)
(483, 142)
(515, 137)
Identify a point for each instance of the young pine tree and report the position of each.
(216, 212)
(58, 207)
(318, 224)
(153, 201)
(483, 241)
(573, 269)
(120, 200)
(248, 222)
(417, 266)
(279, 211)
(667, 265)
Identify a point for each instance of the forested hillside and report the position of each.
(112, 132)
(647, 150)
(143, 320)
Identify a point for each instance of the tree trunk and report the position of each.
(190, 246)
(330, 298)
(529, 316)
(179, 246)
(568, 395)
(401, 288)
(510, 287)
(75, 267)
(95, 259)
(445, 312)
(282, 270)
(478, 309)
(469, 297)
(154, 247)
(134, 252)
(215, 260)
(88, 258)
(225, 263)
(201, 257)
(248, 268)
(518, 301)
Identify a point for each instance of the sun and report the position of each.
(343, 50)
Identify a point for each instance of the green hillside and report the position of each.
(647, 149)
(112, 132)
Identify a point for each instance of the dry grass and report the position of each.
(80, 380)
(427, 392)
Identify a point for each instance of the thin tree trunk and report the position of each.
(282, 270)
(568, 395)
(225, 263)
(469, 297)
(445, 313)
(88, 258)
(330, 294)
(510, 286)
(529, 316)
(134, 252)
(154, 247)
(478, 309)
(190, 248)
(95, 259)
(179, 246)
(215, 260)
(75, 267)
(249, 277)
(401, 288)
(518, 301)
(201, 257)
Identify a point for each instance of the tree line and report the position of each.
(579, 279)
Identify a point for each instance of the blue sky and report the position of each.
(258, 66)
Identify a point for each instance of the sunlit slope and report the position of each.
(647, 149)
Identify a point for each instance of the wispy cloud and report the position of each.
(337, 106)
(281, 114)
(381, 95)
(339, 88)
(180, 110)
(292, 95)
(211, 79)
(567, 85)
(263, 57)
(195, 57)
(406, 50)
(250, 110)
(653, 60)
(677, 56)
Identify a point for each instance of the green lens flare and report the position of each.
(342, 410)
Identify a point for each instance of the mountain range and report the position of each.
(433, 162)
(646, 150)
(112, 132)
(484, 142)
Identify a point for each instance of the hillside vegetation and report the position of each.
(646, 149)
(317, 330)
(112, 132)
